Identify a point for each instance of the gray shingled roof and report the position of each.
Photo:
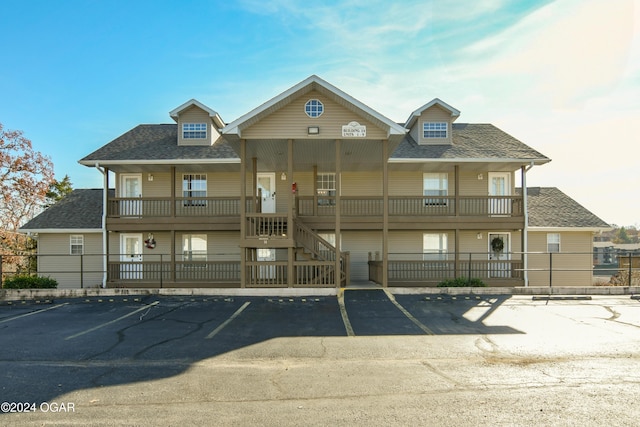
(550, 207)
(158, 142)
(81, 209)
(481, 141)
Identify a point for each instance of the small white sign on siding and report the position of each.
(354, 129)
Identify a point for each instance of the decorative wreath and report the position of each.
(150, 242)
(497, 244)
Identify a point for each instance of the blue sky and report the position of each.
(563, 76)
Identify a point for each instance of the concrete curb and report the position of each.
(41, 294)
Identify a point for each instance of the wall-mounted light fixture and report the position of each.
(479, 236)
(283, 176)
(313, 130)
(149, 177)
(480, 177)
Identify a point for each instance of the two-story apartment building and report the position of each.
(314, 188)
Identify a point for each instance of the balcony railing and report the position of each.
(412, 206)
(144, 207)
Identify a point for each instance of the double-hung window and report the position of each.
(76, 244)
(194, 186)
(553, 242)
(434, 246)
(435, 129)
(194, 247)
(194, 130)
(436, 189)
(326, 189)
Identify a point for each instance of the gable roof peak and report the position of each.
(313, 82)
(194, 102)
(435, 101)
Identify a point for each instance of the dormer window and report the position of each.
(194, 130)
(434, 129)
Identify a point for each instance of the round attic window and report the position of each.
(313, 108)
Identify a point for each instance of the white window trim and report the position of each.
(314, 111)
(433, 254)
(188, 192)
(551, 241)
(187, 247)
(443, 188)
(435, 127)
(194, 130)
(76, 240)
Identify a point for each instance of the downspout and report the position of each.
(105, 192)
(525, 230)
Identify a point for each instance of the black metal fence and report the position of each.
(218, 270)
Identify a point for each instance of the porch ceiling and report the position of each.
(355, 155)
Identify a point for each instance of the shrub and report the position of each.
(30, 282)
(462, 282)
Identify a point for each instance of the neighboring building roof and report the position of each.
(620, 246)
(435, 101)
(550, 208)
(158, 143)
(475, 142)
(79, 210)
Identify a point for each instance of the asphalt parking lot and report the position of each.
(365, 357)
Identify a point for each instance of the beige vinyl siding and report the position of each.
(575, 254)
(361, 184)
(359, 244)
(194, 114)
(159, 187)
(432, 114)
(291, 121)
(56, 262)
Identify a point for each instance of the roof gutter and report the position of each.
(105, 192)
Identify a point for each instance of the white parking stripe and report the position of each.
(95, 328)
(33, 312)
(345, 316)
(406, 313)
(229, 320)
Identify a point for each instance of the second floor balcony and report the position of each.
(320, 210)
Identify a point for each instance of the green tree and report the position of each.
(57, 190)
(622, 236)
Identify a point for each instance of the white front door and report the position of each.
(131, 256)
(499, 255)
(266, 182)
(499, 185)
(131, 189)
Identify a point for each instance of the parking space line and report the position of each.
(404, 311)
(33, 312)
(229, 320)
(345, 316)
(95, 328)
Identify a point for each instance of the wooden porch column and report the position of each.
(254, 183)
(385, 214)
(315, 190)
(456, 189)
(456, 261)
(172, 257)
(173, 191)
(338, 210)
(105, 232)
(243, 212)
(291, 279)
